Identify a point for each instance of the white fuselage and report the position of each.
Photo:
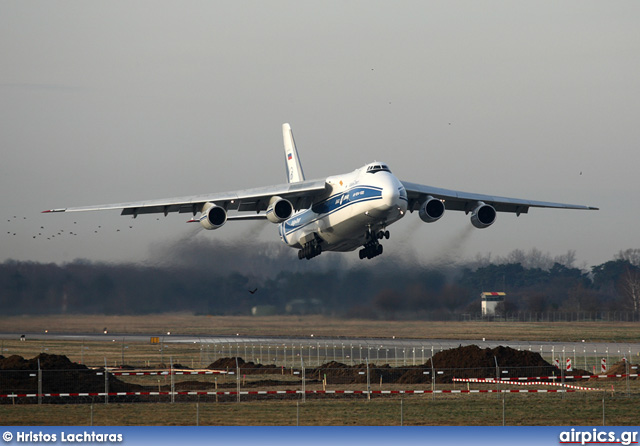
(362, 202)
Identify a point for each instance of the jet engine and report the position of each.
(213, 216)
(279, 210)
(483, 215)
(431, 210)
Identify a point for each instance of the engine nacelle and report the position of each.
(212, 216)
(431, 210)
(483, 215)
(279, 210)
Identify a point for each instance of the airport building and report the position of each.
(490, 301)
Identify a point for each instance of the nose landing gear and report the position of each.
(371, 250)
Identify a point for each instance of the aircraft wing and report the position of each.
(466, 201)
(301, 195)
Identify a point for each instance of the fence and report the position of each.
(235, 383)
(202, 352)
(398, 354)
(542, 316)
(174, 368)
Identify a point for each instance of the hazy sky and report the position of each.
(126, 100)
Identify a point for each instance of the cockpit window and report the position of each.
(377, 168)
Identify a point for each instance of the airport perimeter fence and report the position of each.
(238, 384)
(595, 358)
(538, 316)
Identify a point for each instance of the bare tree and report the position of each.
(630, 255)
(630, 287)
(567, 259)
(534, 258)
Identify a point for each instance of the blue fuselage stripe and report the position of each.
(331, 205)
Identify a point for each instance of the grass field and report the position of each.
(322, 326)
(573, 409)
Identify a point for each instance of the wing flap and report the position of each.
(464, 201)
(256, 200)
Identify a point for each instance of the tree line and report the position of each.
(393, 289)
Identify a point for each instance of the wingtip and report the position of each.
(52, 210)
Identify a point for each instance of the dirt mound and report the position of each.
(177, 365)
(473, 362)
(473, 356)
(59, 375)
(462, 362)
(226, 363)
(620, 368)
(245, 367)
(47, 362)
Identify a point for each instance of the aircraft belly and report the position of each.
(343, 221)
(345, 234)
(348, 232)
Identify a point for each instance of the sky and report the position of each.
(104, 102)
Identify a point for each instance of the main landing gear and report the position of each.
(310, 250)
(373, 248)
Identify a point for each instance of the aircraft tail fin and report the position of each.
(291, 158)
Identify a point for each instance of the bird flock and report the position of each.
(22, 227)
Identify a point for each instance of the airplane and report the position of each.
(339, 213)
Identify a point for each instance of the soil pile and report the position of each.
(620, 368)
(336, 372)
(473, 356)
(229, 364)
(473, 362)
(462, 362)
(59, 375)
(47, 362)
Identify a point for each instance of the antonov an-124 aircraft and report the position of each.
(339, 213)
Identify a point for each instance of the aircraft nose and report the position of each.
(392, 194)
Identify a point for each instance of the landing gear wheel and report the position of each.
(370, 250)
(310, 250)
